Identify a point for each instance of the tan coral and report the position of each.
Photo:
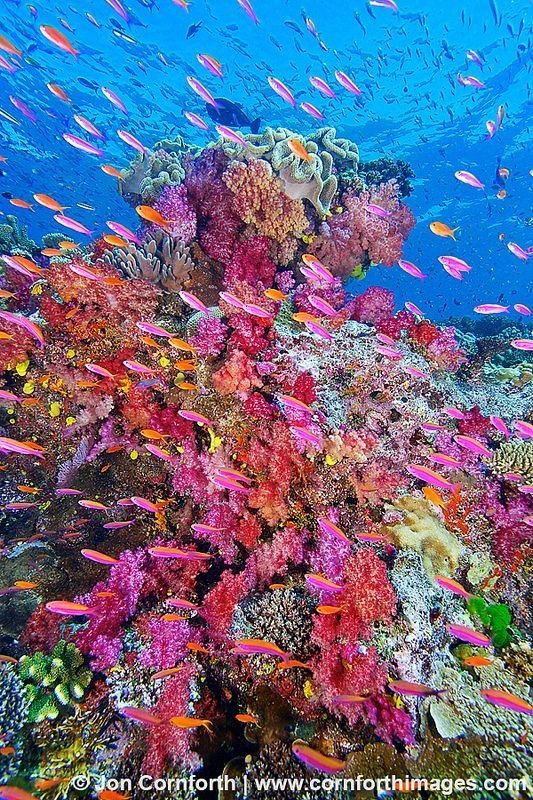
(160, 260)
(421, 530)
(514, 457)
(259, 200)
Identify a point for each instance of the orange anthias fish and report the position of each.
(191, 722)
(16, 201)
(68, 244)
(110, 794)
(9, 47)
(151, 215)
(43, 784)
(51, 252)
(478, 661)
(49, 202)
(58, 92)
(299, 149)
(115, 241)
(433, 496)
(441, 229)
(149, 433)
(110, 170)
(275, 294)
(165, 673)
(247, 718)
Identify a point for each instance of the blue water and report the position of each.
(412, 108)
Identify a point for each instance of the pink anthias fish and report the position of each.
(233, 136)
(295, 404)
(5, 64)
(199, 89)
(522, 344)
(196, 120)
(29, 272)
(411, 269)
(329, 527)
(193, 302)
(247, 7)
(384, 339)
(312, 110)
(117, 6)
(97, 557)
(378, 211)
(523, 428)
(154, 330)
(65, 607)
(413, 309)
(258, 647)
(347, 83)
(23, 108)
(200, 527)
(452, 586)
(98, 370)
(470, 80)
(88, 127)
(415, 372)
(469, 635)
(506, 700)
(491, 128)
(176, 552)
(520, 308)
(136, 366)
(23, 322)
(445, 460)
(491, 308)
(322, 86)
(431, 477)
(467, 177)
(146, 505)
(413, 689)
(93, 505)
(234, 473)
(283, 91)
(178, 602)
(211, 64)
(322, 583)
(193, 416)
(140, 715)
(115, 526)
(72, 224)
(88, 273)
(471, 55)
(389, 4)
(230, 483)
(132, 141)
(307, 435)
(122, 231)
(81, 144)
(500, 425)
(389, 352)
(456, 413)
(315, 759)
(474, 445)
(115, 99)
(164, 455)
(318, 330)
(231, 299)
(68, 492)
(256, 310)
(454, 266)
(322, 305)
(518, 251)
(9, 396)
(318, 270)
(431, 427)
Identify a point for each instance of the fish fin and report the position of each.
(255, 125)
(454, 231)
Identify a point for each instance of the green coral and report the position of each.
(54, 681)
(14, 237)
(146, 176)
(496, 617)
(315, 180)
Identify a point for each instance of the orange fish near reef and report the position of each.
(247, 718)
(191, 722)
(49, 202)
(299, 149)
(165, 673)
(441, 229)
(109, 794)
(478, 661)
(151, 215)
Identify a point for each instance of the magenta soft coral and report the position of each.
(174, 206)
(251, 263)
(374, 305)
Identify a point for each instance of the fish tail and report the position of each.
(454, 231)
(255, 125)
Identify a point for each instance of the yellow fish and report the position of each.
(441, 229)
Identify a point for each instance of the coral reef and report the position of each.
(243, 511)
